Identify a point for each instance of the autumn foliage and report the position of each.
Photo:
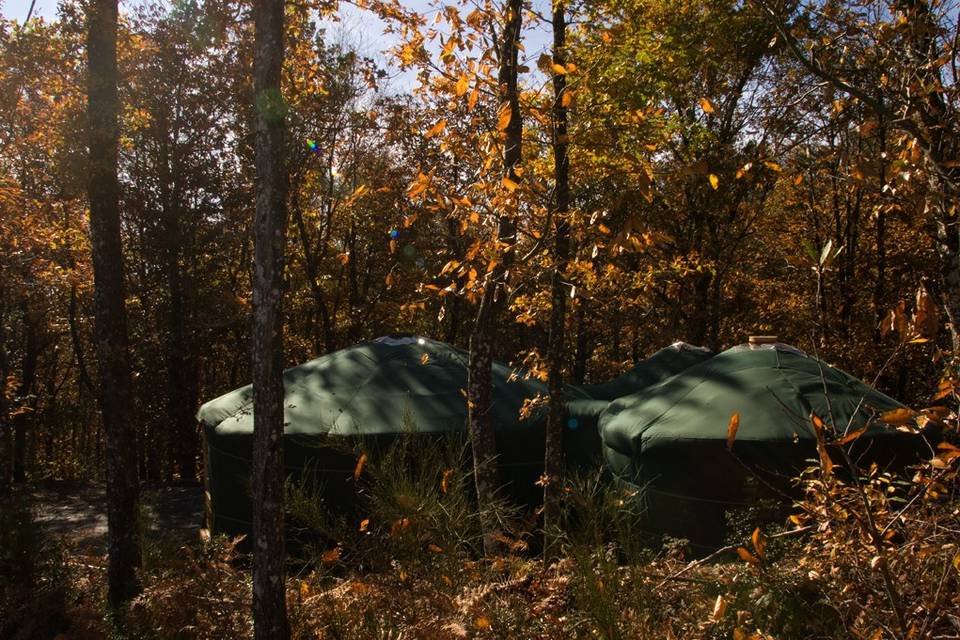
(735, 168)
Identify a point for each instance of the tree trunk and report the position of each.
(110, 314)
(553, 456)
(269, 589)
(24, 389)
(180, 363)
(479, 378)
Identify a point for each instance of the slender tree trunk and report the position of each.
(113, 362)
(180, 360)
(479, 382)
(553, 456)
(27, 376)
(584, 347)
(269, 588)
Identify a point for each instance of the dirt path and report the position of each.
(79, 513)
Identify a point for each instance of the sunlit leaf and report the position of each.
(732, 428)
(901, 415)
(463, 84)
(850, 437)
(714, 181)
(706, 105)
(759, 542)
(504, 115)
(719, 608)
(436, 129)
(820, 428)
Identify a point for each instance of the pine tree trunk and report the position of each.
(479, 384)
(553, 456)
(269, 596)
(110, 315)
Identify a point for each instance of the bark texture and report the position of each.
(479, 384)
(553, 456)
(110, 317)
(269, 597)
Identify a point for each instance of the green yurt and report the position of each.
(373, 391)
(664, 363)
(669, 441)
(585, 403)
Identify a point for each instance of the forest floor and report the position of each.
(77, 513)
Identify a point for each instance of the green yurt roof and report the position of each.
(664, 363)
(774, 388)
(381, 386)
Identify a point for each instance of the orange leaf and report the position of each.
(714, 181)
(706, 105)
(504, 115)
(826, 464)
(899, 416)
(361, 463)
(509, 184)
(330, 556)
(436, 129)
(759, 542)
(850, 437)
(732, 427)
(746, 556)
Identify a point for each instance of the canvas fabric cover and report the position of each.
(669, 441)
(586, 403)
(664, 363)
(372, 391)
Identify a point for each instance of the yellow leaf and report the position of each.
(361, 463)
(714, 181)
(719, 608)
(462, 85)
(304, 589)
(603, 228)
(472, 275)
(732, 427)
(566, 101)
(504, 115)
(773, 166)
(509, 184)
(706, 105)
(436, 129)
(425, 358)
(558, 69)
(364, 525)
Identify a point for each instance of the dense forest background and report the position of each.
(719, 187)
(197, 193)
